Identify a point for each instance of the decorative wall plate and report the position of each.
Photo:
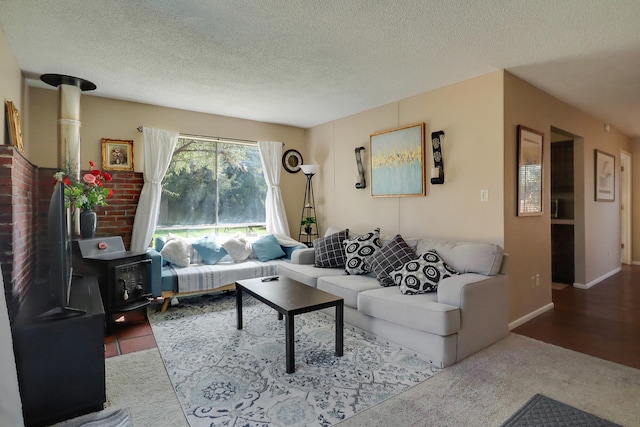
(291, 160)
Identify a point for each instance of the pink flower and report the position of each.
(89, 178)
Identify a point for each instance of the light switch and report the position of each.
(484, 195)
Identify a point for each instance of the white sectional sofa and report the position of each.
(468, 312)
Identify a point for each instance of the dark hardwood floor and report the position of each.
(602, 321)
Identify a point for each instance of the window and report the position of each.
(213, 186)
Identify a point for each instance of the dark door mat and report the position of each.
(543, 411)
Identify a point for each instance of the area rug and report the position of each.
(117, 418)
(224, 376)
(541, 410)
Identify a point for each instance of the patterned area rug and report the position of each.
(228, 377)
(543, 411)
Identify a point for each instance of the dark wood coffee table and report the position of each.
(289, 297)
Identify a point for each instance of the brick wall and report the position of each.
(18, 219)
(25, 192)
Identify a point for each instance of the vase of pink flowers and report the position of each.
(85, 194)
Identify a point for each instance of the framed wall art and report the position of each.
(117, 154)
(530, 172)
(14, 126)
(605, 177)
(397, 162)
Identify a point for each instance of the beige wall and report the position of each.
(528, 239)
(470, 114)
(115, 119)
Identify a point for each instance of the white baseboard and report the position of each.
(533, 314)
(598, 280)
(635, 262)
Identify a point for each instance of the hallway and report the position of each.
(603, 321)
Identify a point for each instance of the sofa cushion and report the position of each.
(328, 250)
(307, 273)
(388, 258)
(267, 248)
(209, 249)
(358, 249)
(347, 287)
(177, 250)
(423, 274)
(421, 312)
(238, 248)
(466, 257)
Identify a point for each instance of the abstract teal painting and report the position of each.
(397, 162)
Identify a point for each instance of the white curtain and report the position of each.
(270, 155)
(158, 149)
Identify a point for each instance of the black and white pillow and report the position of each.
(386, 259)
(423, 274)
(358, 249)
(328, 250)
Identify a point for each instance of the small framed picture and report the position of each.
(530, 172)
(117, 154)
(605, 177)
(14, 126)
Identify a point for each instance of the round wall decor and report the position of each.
(291, 160)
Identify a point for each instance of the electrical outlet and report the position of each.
(484, 195)
(537, 280)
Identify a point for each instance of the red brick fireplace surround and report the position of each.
(25, 190)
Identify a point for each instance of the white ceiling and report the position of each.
(304, 63)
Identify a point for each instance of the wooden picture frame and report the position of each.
(604, 177)
(530, 171)
(14, 126)
(397, 162)
(117, 154)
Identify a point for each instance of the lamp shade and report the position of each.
(310, 169)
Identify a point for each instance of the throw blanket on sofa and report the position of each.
(196, 278)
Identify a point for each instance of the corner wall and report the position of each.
(528, 239)
(116, 119)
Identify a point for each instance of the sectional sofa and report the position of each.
(468, 311)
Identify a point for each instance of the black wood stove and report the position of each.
(124, 276)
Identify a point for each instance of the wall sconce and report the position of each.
(360, 181)
(437, 172)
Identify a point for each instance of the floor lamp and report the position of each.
(309, 220)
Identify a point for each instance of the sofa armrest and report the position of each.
(156, 272)
(484, 309)
(303, 256)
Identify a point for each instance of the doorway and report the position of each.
(562, 209)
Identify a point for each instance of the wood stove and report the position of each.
(124, 276)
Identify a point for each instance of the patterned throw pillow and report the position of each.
(423, 274)
(328, 250)
(360, 248)
(386, 259)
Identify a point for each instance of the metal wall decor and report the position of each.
(291, 161)
(361, 183)
(437, 173)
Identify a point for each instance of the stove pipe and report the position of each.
(69, 89)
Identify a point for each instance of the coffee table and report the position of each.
(290, 297)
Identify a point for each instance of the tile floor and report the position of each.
(132, 332)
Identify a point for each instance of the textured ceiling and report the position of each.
(307, 62)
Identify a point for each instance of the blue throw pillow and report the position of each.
(267, 248)
(288, 250)
(209, 249)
